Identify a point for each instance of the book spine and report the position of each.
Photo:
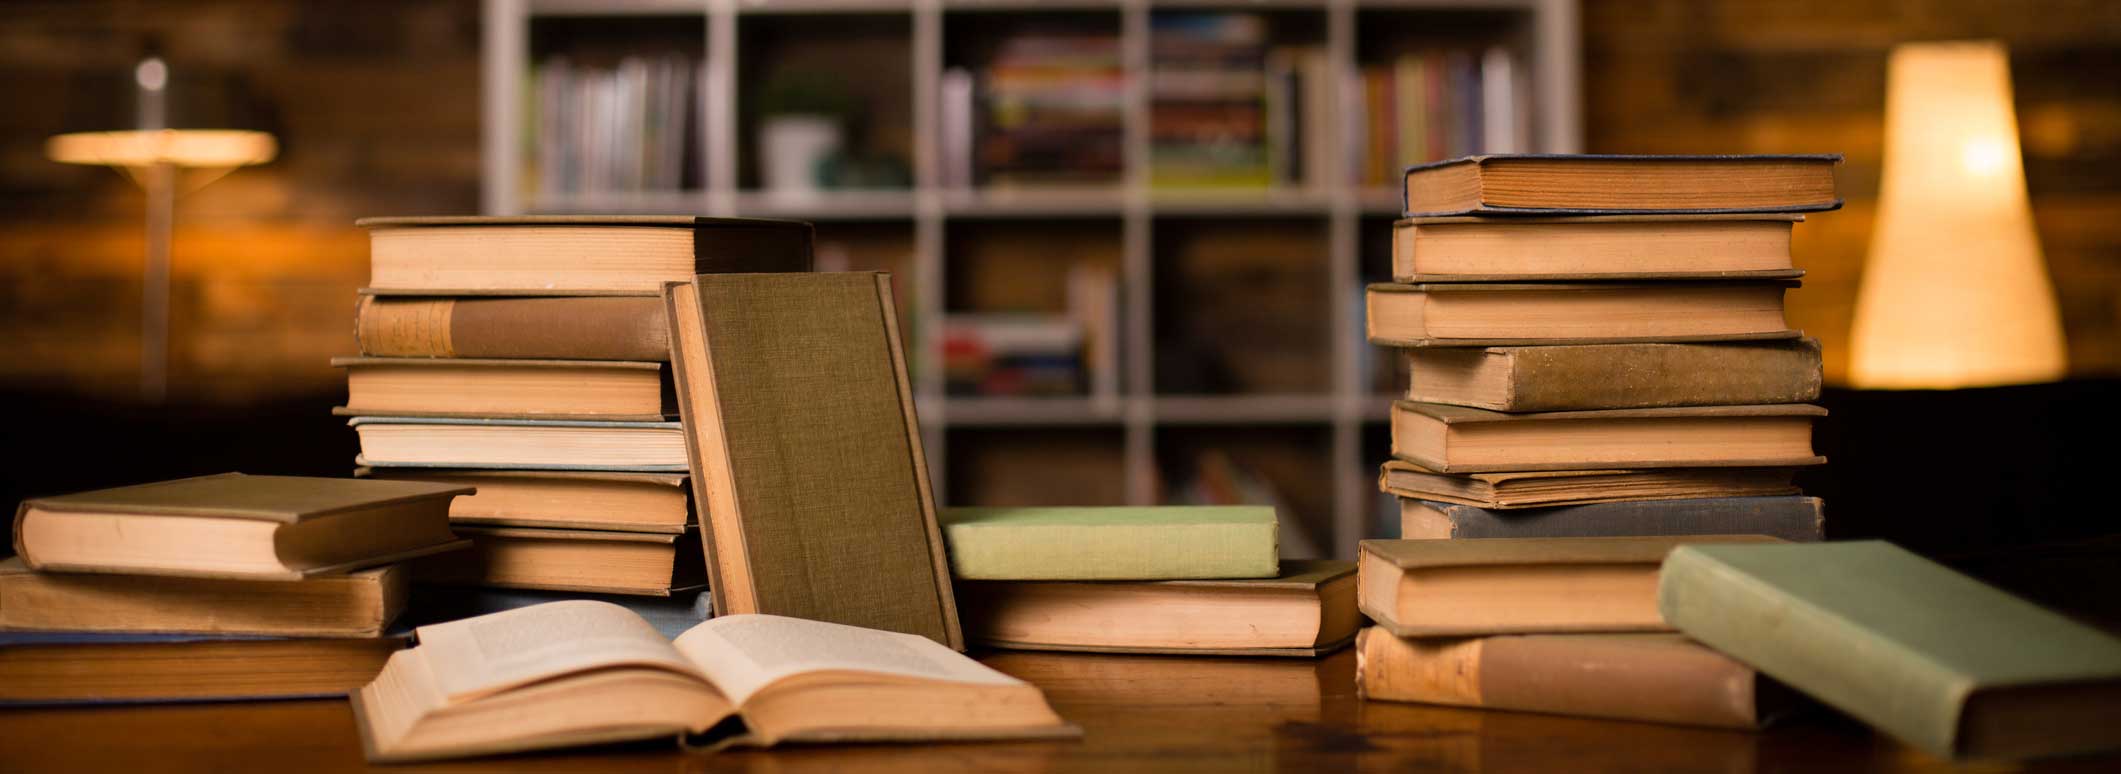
(1796, 519)
(1569, 378)
(1630, 677)
(588, 328)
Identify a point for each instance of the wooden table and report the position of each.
(1137, 712)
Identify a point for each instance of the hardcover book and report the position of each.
(565, 328)
(1795, 519)
(357, 604)
(1551, 488)
(56, 667)
(1506, 314)
(1612, 247)
(1308, 610)
(670, 615)
(1112, 543)
(1454, 439)
(520, 444)
(563, 499)
(1614, 376)
(1585, 184)
(596, 561)
(570, 255)
(615, 390)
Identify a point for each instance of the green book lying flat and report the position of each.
(1932, 657)
(1128, 543)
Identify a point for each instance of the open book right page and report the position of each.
(485, 655)
(741, 654)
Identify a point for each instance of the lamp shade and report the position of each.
(1955, 293)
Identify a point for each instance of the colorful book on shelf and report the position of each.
(615, 390)
(1456, 439)
(1553, 488)
(236, 526)
(572, 255)
(60, 667)
(1615, 376)
(1112, 543)
(1934, 658)
(1505, 314)
(1796, 519)
(1621, 247)
(520, 444)
(536, 328)
(357, 604)
(595, 561)
(563, 499)
(1307, 610)
(1587, 184)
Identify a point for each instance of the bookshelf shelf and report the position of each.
(1316, 440)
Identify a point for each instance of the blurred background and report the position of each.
(1129, 236)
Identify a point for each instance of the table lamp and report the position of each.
(164, 162)
(1955, 293)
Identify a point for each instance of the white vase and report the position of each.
(791, 148)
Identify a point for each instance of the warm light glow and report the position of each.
(152, 74)
(1955, 293)
(179, 147)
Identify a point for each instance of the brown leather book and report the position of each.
(358, 604)
(598, 561)
(1511, 314)
(1466, 249)
(1455, 439)
(616, 390)
(75, 668)
(1552, 488)
(564, 499)
(1613, 376)
(567, 328)
(572, 255)
(1582, 184)
(1309, 610)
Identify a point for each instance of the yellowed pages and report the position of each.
(742, 654)
(482, 656)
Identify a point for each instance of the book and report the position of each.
(1550, 488)
(1611, 376)
(1505, 314)
(522, 389)
(1307, 610)
(1936, 659)
(566, 499)
(1796, 519)
(357, 604)
(565, 328)
(1451, 588)
(584, 672)
(1469, 249)
(43, 667)
(806, 452)
(671, 615)
(1584, 184)
(567, 255)
(1113, 542)
(236, 526)
(526, 444)
(638, 563)
(1660, 678)
(1455, 439)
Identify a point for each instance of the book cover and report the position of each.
(1112, 543)
(1456, 439)
(1307, 610)
(1554, 488)
(1531, 314)
(1610, 184)
(1796, 519)
(1613, 376)
(567, 328)
(357, 604)
(572, 255)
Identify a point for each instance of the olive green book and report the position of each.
(1173, 542)
(1937, 659)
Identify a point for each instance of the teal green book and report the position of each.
(1934, 658)
(1118, 543)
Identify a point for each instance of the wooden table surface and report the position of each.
(1137, 713)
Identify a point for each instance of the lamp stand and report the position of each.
(160, 182)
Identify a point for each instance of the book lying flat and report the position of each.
(1938, 660)
(1660, 678)
(1112, 543)
(1454, 439)
(640, 563)
(565, 328)
(517, 389)
(1612, 247)
(1796, 519)
(1610, 376)
(358, 604)
(1508, 314)
(46, 667)
(522, 444)
(1452, 588)
(236, 526)
(1552, 488)
(1583, 184)
(670, 615)
(1308, 610)
(567, 255)
(563, 499)
(575, 673)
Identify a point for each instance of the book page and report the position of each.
(491, 653)
(741, 654)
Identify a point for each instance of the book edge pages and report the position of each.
(696, 467)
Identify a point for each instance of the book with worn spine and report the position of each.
(1455, 439)
(1796, 519)
(535, 328)
(1526, 314)
(1553, 488)
(1614, 376)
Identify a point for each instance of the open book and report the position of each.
(583, 672)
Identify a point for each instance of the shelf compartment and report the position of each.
(852, 68)
(1242, 306)
(1057, 466)
(1290, 467)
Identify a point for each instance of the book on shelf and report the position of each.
(1048, 109)
(1791, 518)
(565, 499)
(520, 389)
(572, 255)
(1660, 678)
(1553, 488)
(524, 444)
(583, 672)
(1454, 588)
(61, 667)
(631, 126)
(236, 526)
(534, 328)
(596, 561)
(1934, 658)
(1613, 376)
(670, 615)
(1455, 439)
(1589, 184)
(357, 604)
(1014, 355)
(1112, 543)
(1507, 314)
(1306, 610)
(1475, 249)
(806, 453)
(1437, 103)
(1208, 100)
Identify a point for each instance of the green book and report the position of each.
(1126, 543)
(1934, 658)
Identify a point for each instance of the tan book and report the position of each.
(1453, 588)
(575, 673)
(1466, 249)
(1505, 314)
(524, 389)
(1660, 678)
(1793, 518)
(73, 668)
(565, 328)
(1308, 610)
(358, 604)
(236, 526)
(1579, 184)
(1454, 439)
(521, 444)
(1551, 488)
(806, 454)
(565, 499)
(636, 563)
(572, 255)
(1612, 376)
